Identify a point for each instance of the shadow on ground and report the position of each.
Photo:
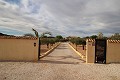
(57, 62)
(67, 59)
(64, 57)
(61, 60)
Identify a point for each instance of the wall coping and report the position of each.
(18, 37)
(113, 41)
(91, 40)
(109, 40)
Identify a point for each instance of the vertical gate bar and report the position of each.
(95, 48)
(105, 50)
(39, 46)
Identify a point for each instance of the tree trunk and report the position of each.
(83, 47)
(47, 45)
(76, 47)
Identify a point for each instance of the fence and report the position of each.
(18, 48)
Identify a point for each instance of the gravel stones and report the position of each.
(62, 64)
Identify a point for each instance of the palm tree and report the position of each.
(100, 35)
(36, 33)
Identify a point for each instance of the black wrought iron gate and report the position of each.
(39, 46)
(100, 51)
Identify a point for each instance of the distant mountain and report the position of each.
(1, 34)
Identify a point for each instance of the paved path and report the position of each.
(61, 64)
(63, 54)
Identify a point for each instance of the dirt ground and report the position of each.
(44, 48)
(80, 49)
(62, 64)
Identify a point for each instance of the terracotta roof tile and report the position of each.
(91, 40)
(114, 41)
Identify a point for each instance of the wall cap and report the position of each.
(113, 41)
(91, 40)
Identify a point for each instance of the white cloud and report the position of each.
(66, 17)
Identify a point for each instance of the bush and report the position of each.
(48, 41)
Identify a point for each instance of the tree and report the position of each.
(116, 36)
(43, 35)
(82, 42)
(93, 36)
(59, 37)
(45, 41)
(78, 41)
(36, 33)
(100, 35)
(29, 35)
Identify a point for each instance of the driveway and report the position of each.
(63, 54)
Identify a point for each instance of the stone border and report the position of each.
(49, 51)
(77, 52)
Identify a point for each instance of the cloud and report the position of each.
(65, 17)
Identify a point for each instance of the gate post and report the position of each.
(90, 52)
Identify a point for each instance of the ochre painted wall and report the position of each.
(18, 50)
(113, 52)
(90, 52)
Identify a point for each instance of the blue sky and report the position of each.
(13, 1)
(65, 17)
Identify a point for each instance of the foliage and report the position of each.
(51, 41)
(29, 35)
(36, 33)
(116, 36)
(44, 41)
(100, 35)
(93, 36)
(48, 41)
(78, 41)
(43, 35)
(59, 37)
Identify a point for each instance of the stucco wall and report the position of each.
(90, 51)
(18, 50)
(113, 52)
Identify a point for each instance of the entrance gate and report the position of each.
(100, 51)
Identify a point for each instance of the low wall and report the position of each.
(90, 51)
(113, 51)
(18, 49)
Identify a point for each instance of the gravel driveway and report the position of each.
(62, 64)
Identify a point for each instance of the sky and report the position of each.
(60, 17)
